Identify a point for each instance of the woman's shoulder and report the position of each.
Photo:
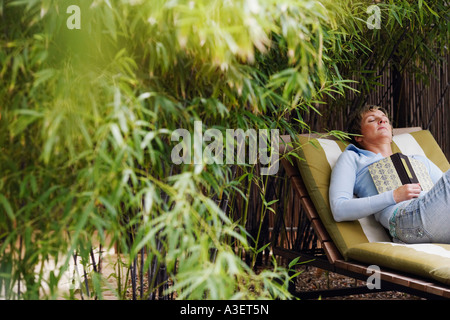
(353, 151)
(350, 154)
(355, 156)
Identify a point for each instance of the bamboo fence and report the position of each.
(411, 102)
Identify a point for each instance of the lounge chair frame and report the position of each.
(315, 247)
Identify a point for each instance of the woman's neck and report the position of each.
(384, 149)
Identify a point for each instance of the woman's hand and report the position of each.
(407, 192)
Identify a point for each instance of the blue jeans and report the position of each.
(425, 219)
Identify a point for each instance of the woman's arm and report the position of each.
(344, 206)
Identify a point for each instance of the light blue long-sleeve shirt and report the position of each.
(350, 177)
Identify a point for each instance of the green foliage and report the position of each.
(413, 36)
(86, 118)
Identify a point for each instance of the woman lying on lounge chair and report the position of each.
(410, 214)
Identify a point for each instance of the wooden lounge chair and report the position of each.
(351, 248)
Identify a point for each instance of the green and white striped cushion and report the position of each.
(428, 260)
(319, 157)
(423, 143)
(366, 240)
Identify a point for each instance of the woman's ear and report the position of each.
(358, 139)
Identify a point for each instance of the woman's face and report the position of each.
(375, 129)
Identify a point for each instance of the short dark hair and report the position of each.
(354, 127)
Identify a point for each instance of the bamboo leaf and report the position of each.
(7, 206)
(431, 10)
